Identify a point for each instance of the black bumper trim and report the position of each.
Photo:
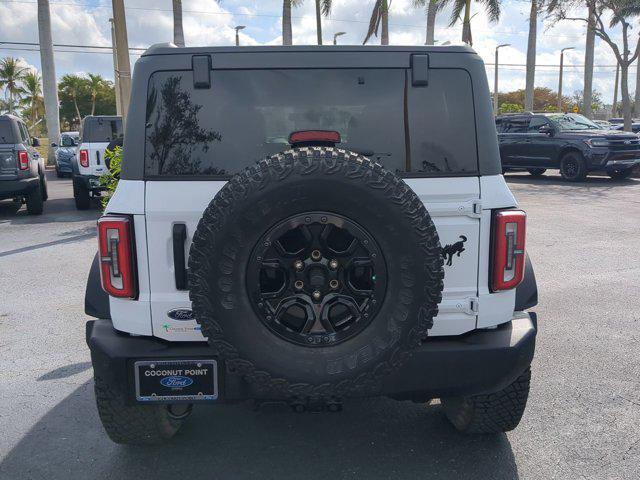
(85, 181)
(22, 186)
(481, 361)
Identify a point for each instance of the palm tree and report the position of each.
(531, 54)
(558, 10)
(32, 95)
(49, 85)
(178, 32)
(95, 84)
(73, 85)
(379, 17)
(287, 5)
(636, 102)
(11, 74)
(589, 53)
(323, 7)
(432, 7)
(459, 6)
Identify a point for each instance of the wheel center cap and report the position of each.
(317, 277)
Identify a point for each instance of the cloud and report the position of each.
(207, 22)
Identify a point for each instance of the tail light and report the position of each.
(84, 158)
(23, 160)
(117, 269)
(508, 249)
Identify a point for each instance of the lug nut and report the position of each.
(333, 264)
(316, 295)
(333, 284)
(298, 265)
(316, 255)
(299, 285)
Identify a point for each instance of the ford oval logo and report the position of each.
(176, 382)
(180, 314)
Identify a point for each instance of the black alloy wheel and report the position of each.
(316, 279)
(573, 167)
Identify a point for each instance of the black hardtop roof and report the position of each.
(171, 49)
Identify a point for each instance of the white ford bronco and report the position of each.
(96, 133)
(305, 225)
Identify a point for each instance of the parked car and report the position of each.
(635, 127)
(22, 170)
(620, 120)
(373, 251)
(65, 151)
(568, 142)
(96, 133)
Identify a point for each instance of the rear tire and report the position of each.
(44, 187)
(136, 424)
(620, 174)
(492, 413)
(536, 172)
(573, 167)
(81, 196)
(59, 174)
(35, 201)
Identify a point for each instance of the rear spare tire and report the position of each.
(315, 273)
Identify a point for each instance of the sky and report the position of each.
(207, 22)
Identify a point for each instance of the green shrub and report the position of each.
(110, 179)
(510, 108)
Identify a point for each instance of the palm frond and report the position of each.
(374, 21)
(458, 7)
(493, 9)
(325, 7)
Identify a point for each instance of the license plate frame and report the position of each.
(176, 380)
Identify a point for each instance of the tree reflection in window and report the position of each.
(174, 134)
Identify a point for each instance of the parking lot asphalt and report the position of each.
(582, 420)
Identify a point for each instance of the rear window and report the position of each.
(101, 130)
(6, 132)
(249, 114)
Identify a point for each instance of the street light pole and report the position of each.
(238, 28)
(560, 80)
(335, 37)
(495, 80)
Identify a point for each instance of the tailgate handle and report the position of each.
(98, 157)
(179, 264)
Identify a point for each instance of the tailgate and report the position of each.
(8, 166)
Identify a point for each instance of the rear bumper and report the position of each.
(90, 182)
(64, 165)
(482, 361)
(12, 188)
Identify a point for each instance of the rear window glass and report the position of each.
(6, 132)
(249, 114)
(101, 130)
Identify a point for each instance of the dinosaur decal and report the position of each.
(455, 249)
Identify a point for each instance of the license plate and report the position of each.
(176, 380)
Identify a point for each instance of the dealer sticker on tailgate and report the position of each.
(176, 380)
